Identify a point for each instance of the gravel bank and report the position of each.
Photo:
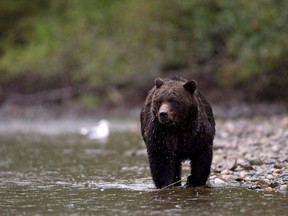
(252, 153)
(249, 151)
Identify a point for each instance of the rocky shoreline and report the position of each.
(252, 153)
(250, 147)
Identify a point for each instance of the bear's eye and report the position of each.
(160, 101)
(172, 101)
(175, 104)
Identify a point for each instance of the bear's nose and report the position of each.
(163, 115)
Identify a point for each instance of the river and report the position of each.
(46, 170)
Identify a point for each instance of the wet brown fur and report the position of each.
(188, 134)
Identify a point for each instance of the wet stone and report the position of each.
(239, 179)
(226, 172)
(256, 162)
(274, 184)
(283, 188)
(270, 177)
(268, 189)
(219, 182)
(278, 166)
(253, 152)
(227, 177)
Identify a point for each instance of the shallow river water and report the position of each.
(68, 174)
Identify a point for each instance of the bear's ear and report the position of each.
(190, 86)
(158, 82)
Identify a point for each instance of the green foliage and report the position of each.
(257, 41)
(109, 41)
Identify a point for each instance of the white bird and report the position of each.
(99, 132)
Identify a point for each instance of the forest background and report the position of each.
(97, 53)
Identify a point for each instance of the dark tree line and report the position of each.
(52, 44)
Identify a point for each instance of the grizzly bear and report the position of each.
(177, 124)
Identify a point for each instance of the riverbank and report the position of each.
(250, 147)
(252, 153)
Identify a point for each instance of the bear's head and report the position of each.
(174, 101)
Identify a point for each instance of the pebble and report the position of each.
(274, 184)
(227, 177)
(256, 162)
(278, 166)
(253, 153)
(226, 172)
(276, 173)
(283, 188)
(219, 182)
(270, 177)
(268, 189)
(243, 174)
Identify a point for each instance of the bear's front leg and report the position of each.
(165, 170)
(200, 168)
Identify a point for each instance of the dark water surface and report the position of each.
(71, 175)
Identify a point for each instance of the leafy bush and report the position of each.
(111, 41)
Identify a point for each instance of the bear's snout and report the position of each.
(164, 115)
